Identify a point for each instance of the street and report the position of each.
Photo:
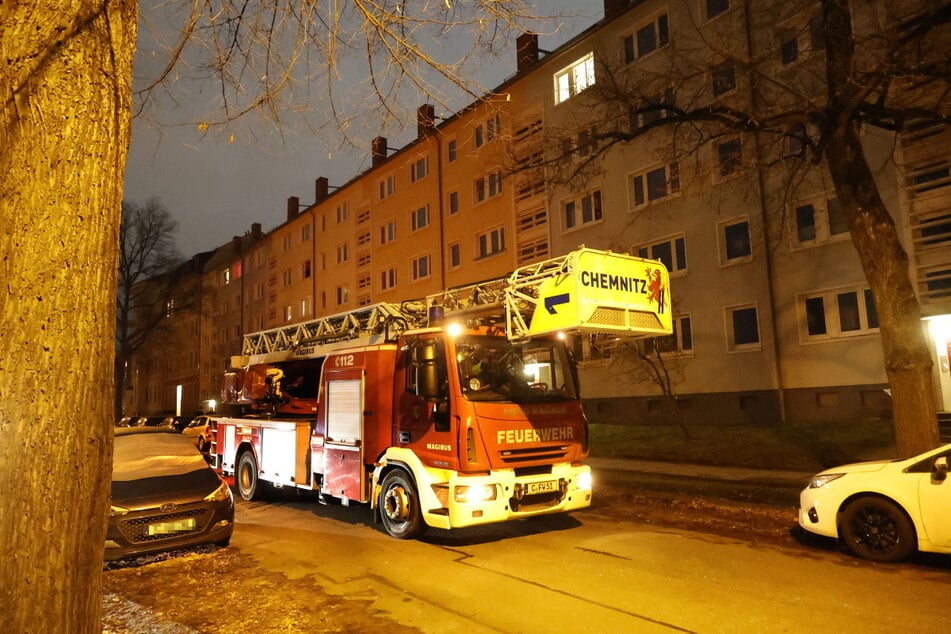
(611, 568)
(591, 574)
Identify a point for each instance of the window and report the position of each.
(388, 232)
(735, 242)
(713, 8)
(742, 328)
(455, 255)
(723, 78)
(343, 252)
(488, 186)
(819, 220)
(588, 141)
(837, 313)
(671, 252)
(288, 313)
(420, 218)
(363, 239)
(794, 43)
(575, 78)
(226, 277)
(582, 210)
(305, 233)
(493, 127)
(421, 267)
(306, 306)
(478, 136)
(363, 259)
(363, 216)
(419, 170)
(287, 277)
(794, 143)
(387, 187)
(451, 151)
(926, 177)
(305, 270)
(388, 279)
(653, 184)
(647, 39)
(491, 242)
(650, 111)
(678, 342)
(343, 295)
(287, 242)
(363, 281)
(453, 203)
(729, 157)
(343, 212)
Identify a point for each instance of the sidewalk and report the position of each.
(739, 474)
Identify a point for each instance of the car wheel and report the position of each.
(202, 445)
(877, 529)
(399, 506)
(249, 487)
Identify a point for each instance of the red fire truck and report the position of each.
(454, 410)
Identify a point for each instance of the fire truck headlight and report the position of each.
(583, 481)
(221, 494)
(475, 494)
(117, 511)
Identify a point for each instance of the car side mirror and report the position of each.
(939, 471)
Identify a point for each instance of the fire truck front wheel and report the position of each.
(399, 506)
(249, 487)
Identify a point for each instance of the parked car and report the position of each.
(164, 495)
(885, 510)
(197, 430)
(178, 422)
(131, 421)
(154, 421)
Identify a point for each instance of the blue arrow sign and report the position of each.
(555, 300)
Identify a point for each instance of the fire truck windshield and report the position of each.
(494, 369)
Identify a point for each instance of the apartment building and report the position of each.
(774, 318)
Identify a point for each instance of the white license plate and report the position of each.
(541, 487)
(170, 528)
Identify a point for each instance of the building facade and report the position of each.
(774, 318)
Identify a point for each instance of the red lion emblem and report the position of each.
(655, 288)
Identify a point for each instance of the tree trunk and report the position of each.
(64, 134)
(907, 359)
(908, 362)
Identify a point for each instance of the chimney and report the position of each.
(236, 244)
(293, 207)
(526, 47)
(256, 233)
(425, 120)
(321, 190)
(378, 150)
(613, 8)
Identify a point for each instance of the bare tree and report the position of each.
(66, 82)
(869, 66)
(646, 361)
(150, 286)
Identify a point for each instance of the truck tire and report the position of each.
(399, 506)
(246, 478)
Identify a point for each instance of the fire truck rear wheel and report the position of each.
(399, 506)
(249, 487)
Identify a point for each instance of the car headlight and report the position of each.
(117, 511)
(221, 494)
(823, 479)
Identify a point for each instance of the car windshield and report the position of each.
(150, 464)
(494, 369)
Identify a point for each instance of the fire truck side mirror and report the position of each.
(426, 370)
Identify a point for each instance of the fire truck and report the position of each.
(458, 409)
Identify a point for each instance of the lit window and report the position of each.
(572, 80)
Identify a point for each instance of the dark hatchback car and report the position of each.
(164, 495)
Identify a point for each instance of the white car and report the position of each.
(883, 510)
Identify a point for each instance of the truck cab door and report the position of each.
(423, 416)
